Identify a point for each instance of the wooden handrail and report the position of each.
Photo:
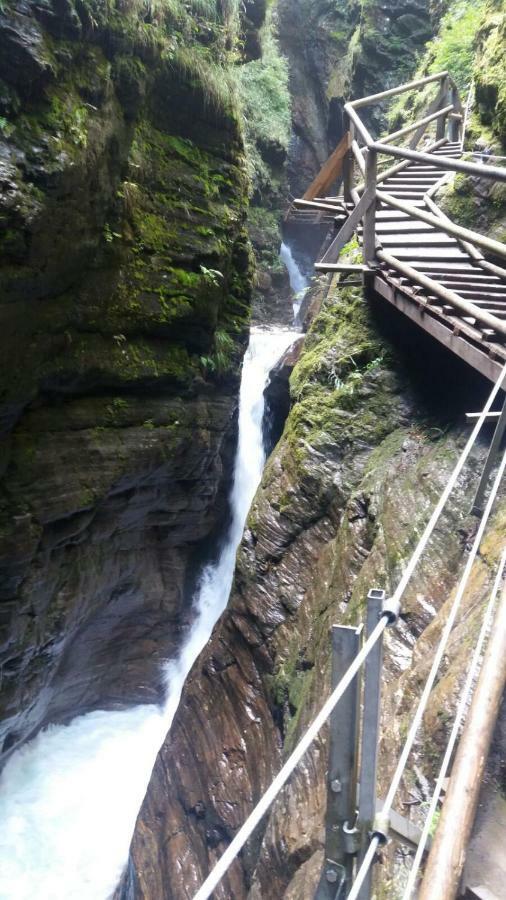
(359, 125)
(434, 287)
(359, 156)
(443, 162)
(421, 122)
(446, 225)
(409, 86)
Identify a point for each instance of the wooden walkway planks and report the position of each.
(443, 258)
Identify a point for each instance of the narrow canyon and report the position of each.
(211, 450)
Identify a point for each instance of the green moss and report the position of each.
(489, 71)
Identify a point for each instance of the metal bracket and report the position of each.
(477, 507)
(381, 827)
(392, 609)
(335, 874)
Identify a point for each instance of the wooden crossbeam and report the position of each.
(348, 229)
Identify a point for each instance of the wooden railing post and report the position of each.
(348, 162)
(455, 124)
(369, 232)
(445, 94)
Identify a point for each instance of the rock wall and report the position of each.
(338, 51)
(367, 449)
(124, 283)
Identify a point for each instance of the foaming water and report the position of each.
(298, 281)
(69, 799)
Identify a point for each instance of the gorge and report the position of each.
(149, 290)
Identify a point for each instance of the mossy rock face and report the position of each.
(125, 274)
(126, 189)
(489, 73)
(476, 203)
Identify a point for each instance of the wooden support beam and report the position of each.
(330, 171)
(349, 227)
(448, 852)
(369, 232)
(475, 356)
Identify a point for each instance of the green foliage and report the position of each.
(455, 46)
(454, 50)
(265, 100)
(489, 70)
(216, 83)
(224, 355)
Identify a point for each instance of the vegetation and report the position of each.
(489, 71)
(265, 101)
(454, 47)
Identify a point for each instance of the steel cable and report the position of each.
(410, 739)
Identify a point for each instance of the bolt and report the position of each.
(335, 785)
(331, 875)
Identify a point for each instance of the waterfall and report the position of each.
(298, 281)
(69, 799)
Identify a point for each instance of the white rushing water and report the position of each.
(298, 281)
(69, 799)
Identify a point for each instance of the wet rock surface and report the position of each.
(337, 52)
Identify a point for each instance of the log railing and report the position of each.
(447, 112)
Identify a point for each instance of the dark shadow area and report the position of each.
(445, 387)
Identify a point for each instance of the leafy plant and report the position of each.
(265, 100)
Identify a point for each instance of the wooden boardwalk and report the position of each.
(434, 253)
(431, 270)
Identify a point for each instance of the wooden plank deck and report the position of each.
(443, 258)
